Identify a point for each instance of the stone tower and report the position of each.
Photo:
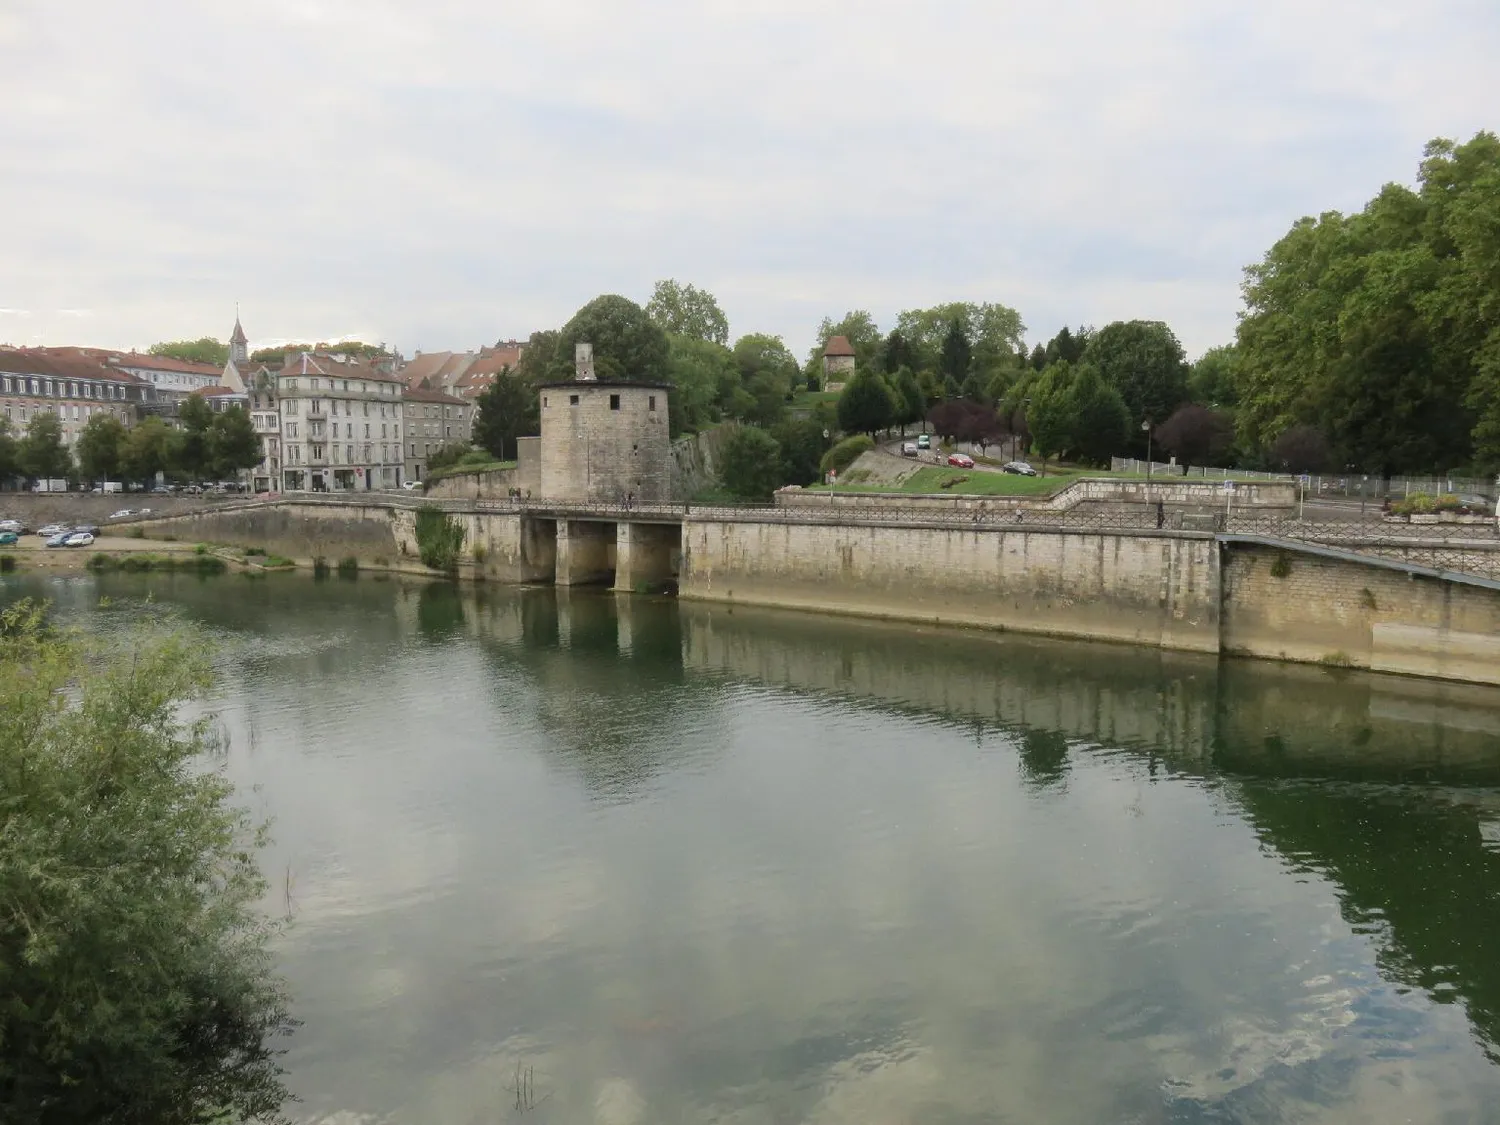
(239, 346)
(605, 442)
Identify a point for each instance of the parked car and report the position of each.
(909, 449)
(53, 529)
(961, 460)
(1019, 468)
(924, 441)
(411, 485)
(90, 528)
(123, 513)
(11, 525)
(9, 538)
(59, 540)
(143, 511)
(78, 539)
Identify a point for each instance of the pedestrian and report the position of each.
(1161, 513)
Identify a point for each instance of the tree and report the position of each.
(993, 331)
(909, 401)
(101, 447)
(685, 310)
(42, 454)
(758, 355)
(1049, 414)
(136, 978)
(1143, 360)
(802, 446)
(507, 410)
(859, 328)
(1100, 423)
(750, 463)
(147, 450)
(1197, 435)
(189, 451)
(767, 400)
(205, 350)
(1066, 347)
(628, 345)
(232, 443)
(897, 352)
(10, 461)
(865, 405)
(700, 371)
(1300, 449)
(954, 362)
(540, 357)
(1213, 380)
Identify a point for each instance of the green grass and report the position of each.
(135, 562)
(812, 398)
(940, 480)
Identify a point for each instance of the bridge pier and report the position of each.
(646, 555)
(585, 553)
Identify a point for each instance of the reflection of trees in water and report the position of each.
(1044, 757)
(440, 611)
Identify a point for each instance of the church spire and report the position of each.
(239, 346)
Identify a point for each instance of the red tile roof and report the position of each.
(162, 363)
(425, 394)
(66, 363)
(838, 346)
(308, 363)
(216, 391)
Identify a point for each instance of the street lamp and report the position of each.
(832, 475)
(1146, 429)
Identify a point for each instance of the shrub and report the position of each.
(7, 563)
(139, 981)
(254, 551)
(138, 562)
(137, 533)
(750, 463)
(320, 567)
(348, 567)
(272, 562)
(440, 538)
(478, 552)
(845, 453)
(201, 549)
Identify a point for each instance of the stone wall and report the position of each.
(1159, 589)
(297, 531)
(35, 509)
(1289, 605)
(695, 461)
(1259, 497)
(494, 484)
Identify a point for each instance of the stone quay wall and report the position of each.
(1259, 497)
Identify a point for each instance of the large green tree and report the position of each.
(1049, 411)
(10, 461)
(750, 463)
(538, 362)
(136, 976)
(628, 344)
(203, 350)
(1098, 422)
(1143, 360)
(866, 405)
(508, 409)
(685, 310)
(233, 444)
(42, 454)
(1214, 379)
(190, 452)
(993, 331)
(147, 450)
(1383, 328)
(101, 448)
(908, 399)
(701, 373)
(956, 354)
(802, 445)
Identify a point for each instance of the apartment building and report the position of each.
(73, 383)
(433, 419)
(341, 425)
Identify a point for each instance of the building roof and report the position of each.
(426, 394)
(437, 367)
(162, 363)
(218, 391)
(335, 367)
(838, 346)
(65, 363)
(238, 336)
(604, 384)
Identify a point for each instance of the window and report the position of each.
(349, 449)
(447, 431)
(651, 403)
(382, 430)
(291, 429)
(572, 400)
(614, 402)
(335, 455)
(413, 444)
(346, 385)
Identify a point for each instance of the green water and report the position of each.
(681, 864)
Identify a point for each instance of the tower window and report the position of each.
(544, 402)
(614, 402)
(651, 403)
(572, 400)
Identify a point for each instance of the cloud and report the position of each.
(457, 171)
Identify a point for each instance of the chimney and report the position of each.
(583, 362)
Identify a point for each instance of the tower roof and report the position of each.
(238, 337)
(837, 346)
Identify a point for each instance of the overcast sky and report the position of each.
(442, 173)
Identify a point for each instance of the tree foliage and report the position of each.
(1300, 449)
(846, 452)
(10, 460)
(506, 411)
(42, 454)
(859, 328)
(101, 448)
(866, 405)
(1214, 379)
(440, 538)
(993, 332)
(1383, 327)
(907, 398)
(1098, 421)
(1197, 435)
(233, 444)
(750, 463)
(954, 360)
(685, 310)
(147, 450)
(203, 350)
(704, 378)
(136, 982)
(1143, 360)
(628, 344)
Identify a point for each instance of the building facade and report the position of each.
(605, 442)
(341, 425)
(432, 419)
(838, 363)
(72, 383)
(174, 379)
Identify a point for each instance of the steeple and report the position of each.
(239, 346)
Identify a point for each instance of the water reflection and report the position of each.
(701, 865)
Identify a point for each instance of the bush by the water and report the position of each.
(440, 538)
(348, 567)
(846, 452)
(136, 980)
(750, 463)
(135, 561)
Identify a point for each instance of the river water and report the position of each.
(568, 858)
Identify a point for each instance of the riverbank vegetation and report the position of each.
(440, 538)
(136, 982)
(199, 562)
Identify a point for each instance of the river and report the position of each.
(570, 858)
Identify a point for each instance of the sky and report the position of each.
(443, 174)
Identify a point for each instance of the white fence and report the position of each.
(1353, 485)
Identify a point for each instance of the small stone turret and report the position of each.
(583, 362)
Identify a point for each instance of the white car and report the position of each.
(123, 513)
(79, 539)
(10, 525)
(411, 485)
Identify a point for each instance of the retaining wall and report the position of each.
(1259, 497)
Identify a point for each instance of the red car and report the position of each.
(961, 460)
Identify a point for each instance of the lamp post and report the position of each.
(1146, 429)
(832, 474)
